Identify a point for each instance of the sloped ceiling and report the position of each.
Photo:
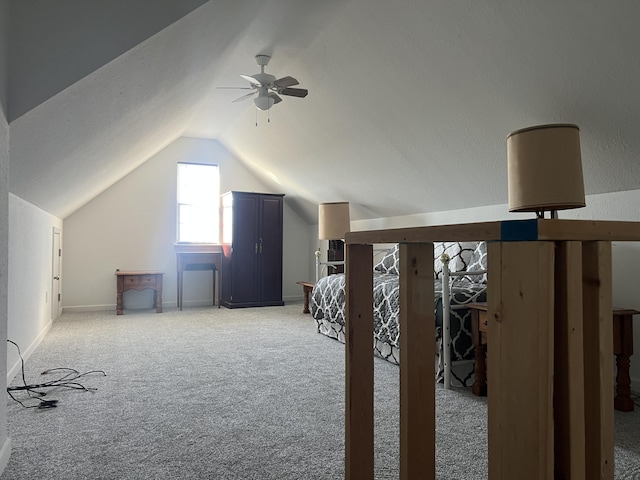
(409, 107)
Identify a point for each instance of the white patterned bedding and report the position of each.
(327, 305)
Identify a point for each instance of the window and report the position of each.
(198, 203)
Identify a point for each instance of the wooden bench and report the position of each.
(622, 349)
(307, 287)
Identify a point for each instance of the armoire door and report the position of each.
(245, 268)
(270, 257)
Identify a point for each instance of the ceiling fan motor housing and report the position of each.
(263, 60)
(264, 78)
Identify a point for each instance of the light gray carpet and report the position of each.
(212, 393)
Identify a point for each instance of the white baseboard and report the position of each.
(104, 308)
(88, 308)
(5, 453)
(112, 307)
(192, 303)
(26, 352)
(293, 298)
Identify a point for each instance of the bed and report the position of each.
(459, 271)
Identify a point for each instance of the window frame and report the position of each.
(214, 208)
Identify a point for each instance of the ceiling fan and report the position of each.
(267, 87)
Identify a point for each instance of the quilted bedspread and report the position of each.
(328, 309)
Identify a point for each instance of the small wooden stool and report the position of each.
(307, 287)
(622, 349)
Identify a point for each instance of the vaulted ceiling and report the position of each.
(409, 107)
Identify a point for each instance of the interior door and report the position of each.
(56, 263)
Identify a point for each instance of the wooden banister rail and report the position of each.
(544, 276)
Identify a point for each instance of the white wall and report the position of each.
(132, 226)
(30, 277)
(609, 206)
(5, 442)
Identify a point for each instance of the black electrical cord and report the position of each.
(68, 380)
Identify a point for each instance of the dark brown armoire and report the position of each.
(252, 248)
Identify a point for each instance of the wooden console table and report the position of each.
(199, 257)
(622, 349)
(549, 282)
(139, 280)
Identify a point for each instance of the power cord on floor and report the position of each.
(35, 391)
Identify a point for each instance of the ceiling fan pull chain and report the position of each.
(256, 117)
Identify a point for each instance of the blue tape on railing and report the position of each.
(519, 230)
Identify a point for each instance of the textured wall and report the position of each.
(30, 277)
(4, 225)
(42, 35)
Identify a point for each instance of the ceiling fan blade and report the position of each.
(244, 97)
(251, 80)
(294, 92)
(276, 98)
(285, 82)
(235, 88)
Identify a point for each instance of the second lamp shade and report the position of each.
(545, 168)
(333, 220)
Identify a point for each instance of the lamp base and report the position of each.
(552, 214)
(335, 253)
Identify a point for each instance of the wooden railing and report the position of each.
(549, 284)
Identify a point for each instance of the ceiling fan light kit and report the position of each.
(267, 89)
(263, 102)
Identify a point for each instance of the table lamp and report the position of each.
(545, 169)
(333, 223)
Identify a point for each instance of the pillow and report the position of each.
(459, 253)
(479, 262)
(459, 257)
(389, 263)
(461, 261)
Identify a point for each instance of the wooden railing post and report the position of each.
(359, 364)
(417, 363)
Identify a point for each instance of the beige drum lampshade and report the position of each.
(333, 220)
(545, 168)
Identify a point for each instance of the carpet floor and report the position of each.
(210, 393)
